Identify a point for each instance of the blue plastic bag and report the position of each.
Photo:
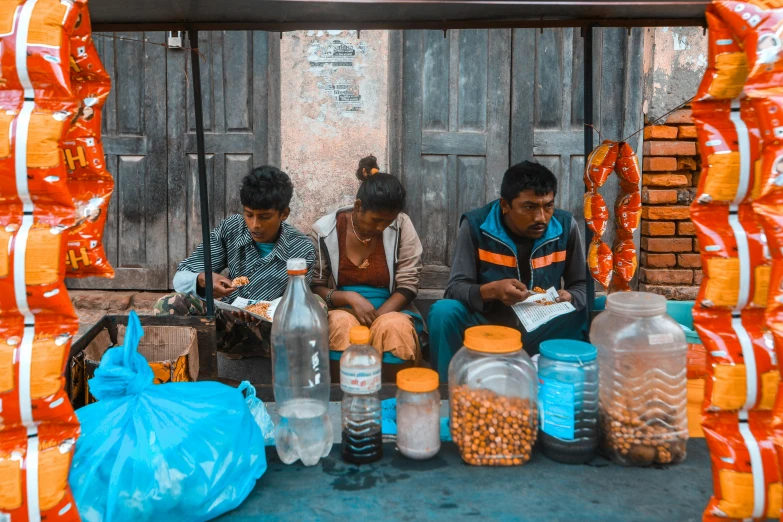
(259, 413)
(172, 452)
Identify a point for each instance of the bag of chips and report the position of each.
(734, 257)
(743, 370)
(730, 148)
(756, 24)
(746, 480)
(47, 24)
(727, 64)
(627, 168)
(599, 260)
(600, 164)
(37, 463)
(628, 213)
(596, 213)
(625, 263)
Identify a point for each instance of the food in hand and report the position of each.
(240, 281)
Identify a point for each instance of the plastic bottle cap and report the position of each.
(636, 304)
(418, 380)
(568, 350)
(493, 339)
(359, 335)
(297, 266)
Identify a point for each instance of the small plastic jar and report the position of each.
(418, 413)
(568, 400)
(492, 394)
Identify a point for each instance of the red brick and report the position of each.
(665, 180)
(665, 213)
(657, 197)
(697, 277)
(687, 132)
(666, 277)
(658, 260)
(661, 244)
(696, 245)
(660, 132)
(658, 228)
(686, 228)
(659, 164)
(669, 148)
(689, 260)
(672, 293)
(686, 164)
(680, 116)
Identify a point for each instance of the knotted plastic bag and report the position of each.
(176, 452)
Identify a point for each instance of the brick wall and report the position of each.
(669, 260)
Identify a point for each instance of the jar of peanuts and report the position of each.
(643, 393)
(492, 396)
(418, 413)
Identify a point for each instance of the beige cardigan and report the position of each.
(401, 244)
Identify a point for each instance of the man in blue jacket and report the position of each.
(505, 249)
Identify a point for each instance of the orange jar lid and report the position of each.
(359, 335)
(418, 380)
(493, 339)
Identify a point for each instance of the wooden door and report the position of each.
(134, 140)
(240, 97)
(477, 101)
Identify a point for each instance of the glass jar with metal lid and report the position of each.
(492, 394)
(418, 413)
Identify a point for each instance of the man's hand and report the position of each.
(221, 286)
(363, 309)
(246, 318)
(564, 296)
(507, 291)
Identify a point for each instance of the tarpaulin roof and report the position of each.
(287, 15)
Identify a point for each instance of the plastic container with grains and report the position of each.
(418, 413)
(492, 392)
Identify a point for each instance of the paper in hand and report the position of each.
(532, 312)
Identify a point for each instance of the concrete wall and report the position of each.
(334, 97)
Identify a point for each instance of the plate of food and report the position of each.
(264, 310)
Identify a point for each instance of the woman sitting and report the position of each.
(368, 267)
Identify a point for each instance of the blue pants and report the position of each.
(448, 319)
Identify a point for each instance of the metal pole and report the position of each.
(588, 107)
(202, 169)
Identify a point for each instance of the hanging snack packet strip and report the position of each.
(727, 65)
(34, 474)
(746, 479)
(89, 182)
(743, 363)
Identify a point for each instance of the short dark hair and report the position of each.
(527, 175)
(378, 191)
(265, 188)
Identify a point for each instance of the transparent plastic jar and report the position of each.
(492, 394)
(418, 413)
(643, 380)
(568, 400)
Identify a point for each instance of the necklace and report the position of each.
(365, 242)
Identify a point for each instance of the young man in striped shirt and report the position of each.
(254, 245)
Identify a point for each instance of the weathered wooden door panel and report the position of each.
(241, 110)
(134, 139)
(478, 101)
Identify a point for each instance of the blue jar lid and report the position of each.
(567, 350)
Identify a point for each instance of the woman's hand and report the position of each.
(221, 286)
(363, 309)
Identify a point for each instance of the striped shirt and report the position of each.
(233, 248)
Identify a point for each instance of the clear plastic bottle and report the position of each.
(360, 380)
(300, 361)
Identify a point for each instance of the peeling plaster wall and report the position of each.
(334, 97)
(675, 59)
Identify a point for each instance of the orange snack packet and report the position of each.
(599, 260)
(730, 149)
(743, 366)
(600, 164)
(627, 168)
(735, 258)
(38, 463)
(596, 213)
(625, 263)
(727, 64)
(628, 213)
(746, 481)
